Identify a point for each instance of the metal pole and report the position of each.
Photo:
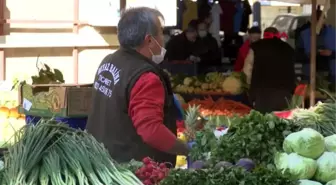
(75, 49)
(2, 32)
(313, 54)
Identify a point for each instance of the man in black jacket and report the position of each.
(269, 68)
(207, 47)
(133, 112)
(182, 46)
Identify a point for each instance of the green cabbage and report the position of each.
(333, 182)
(326, 167)
(330, 143)
(307, 143)
(309, 182)
(297, 166)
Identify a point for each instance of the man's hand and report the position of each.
(179, 148)
(194, 58)
(325, 52)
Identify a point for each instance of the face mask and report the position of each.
(158, 58)
(202, 34)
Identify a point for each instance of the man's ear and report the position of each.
(148, 40)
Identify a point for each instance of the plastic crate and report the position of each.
(77, 123)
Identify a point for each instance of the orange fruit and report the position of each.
(4, 112)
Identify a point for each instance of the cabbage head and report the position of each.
(326, 167)
(307, 143)
(309, 182)
(333, 182)
(330, 143)
(297, 166)
(232, 85)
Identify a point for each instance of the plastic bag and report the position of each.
(330, 143)
(297, 166)
(307, 143)
(326, 167)
(309, 182)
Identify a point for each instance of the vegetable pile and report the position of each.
(227, 176)
(213, 83)
(321, 117)
(151, 172)
(307, 157)
(51, 153)
(254, 136)
(221, 107)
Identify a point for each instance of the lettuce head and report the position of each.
(330, 143)
(326, 167)
(309, 182)
(297, 166)
(307, 143)
(333, 182)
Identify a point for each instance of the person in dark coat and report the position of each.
(207, 47)
(133, 108)
(325, 50)
(182, 46)
(269, 68)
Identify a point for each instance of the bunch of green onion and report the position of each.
(51, 153)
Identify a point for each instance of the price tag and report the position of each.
(26, 104)
(6, 86)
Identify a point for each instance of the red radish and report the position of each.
(161, 176)
(162, 165)
(146, 160)
(152, 172)
(147, 182)
(147, 174)
(149, 168)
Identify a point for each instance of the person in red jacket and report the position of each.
(254, 35)
(133, 111)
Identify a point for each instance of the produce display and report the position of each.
(46, 75)
(151, 172)
(255, 136)
(221, 107)
(306, 157)
(10, 119)
(51, 153)
(213, 83)
(227, 176)
(230, 144)
(321, 117)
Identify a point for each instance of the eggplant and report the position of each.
(246, 163)
(223, 164)
(198, 164)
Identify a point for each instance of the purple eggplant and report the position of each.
(246, 163)
(223, 164)
(198, 164)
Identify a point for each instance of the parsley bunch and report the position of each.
(227, 176)
(255, 136)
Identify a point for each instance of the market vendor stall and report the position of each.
(214, 84)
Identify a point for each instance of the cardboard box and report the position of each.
(55, 100)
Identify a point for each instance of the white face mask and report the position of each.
(158, 58)
(202, 34)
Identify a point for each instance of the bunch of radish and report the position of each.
(151, 173)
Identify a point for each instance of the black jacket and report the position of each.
(109, 121)
(179, 48)
(273, 66)
(207, 49)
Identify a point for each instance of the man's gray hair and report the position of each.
(135, 24)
